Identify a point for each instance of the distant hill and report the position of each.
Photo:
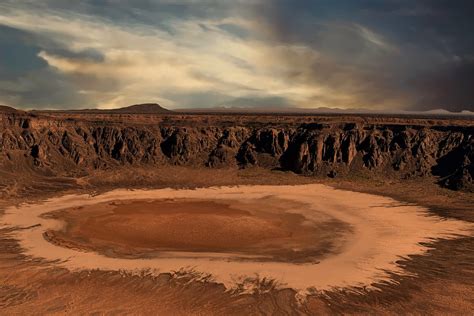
(7, 109)
(145, 108)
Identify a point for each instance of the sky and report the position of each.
(371, 54)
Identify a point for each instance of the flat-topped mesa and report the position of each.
(145, 108)
(67, 145)
(8, 109)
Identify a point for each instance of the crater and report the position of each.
(304, 237)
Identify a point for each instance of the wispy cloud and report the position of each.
(375, 39)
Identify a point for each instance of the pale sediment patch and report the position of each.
(382, 231)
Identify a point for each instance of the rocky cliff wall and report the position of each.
(72, 147)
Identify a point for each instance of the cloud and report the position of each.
(449, 88)
(144, 62)
(374, 38)
(378, 54)
(206, 53)
(147, 63)
(26, 79)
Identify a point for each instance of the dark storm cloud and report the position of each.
(450, 88)
(430, 65)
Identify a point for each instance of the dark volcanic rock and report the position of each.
(69, 146)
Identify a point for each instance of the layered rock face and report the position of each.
(71, 147)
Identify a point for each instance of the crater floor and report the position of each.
(260, 230)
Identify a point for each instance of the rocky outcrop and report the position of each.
(71, 147)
